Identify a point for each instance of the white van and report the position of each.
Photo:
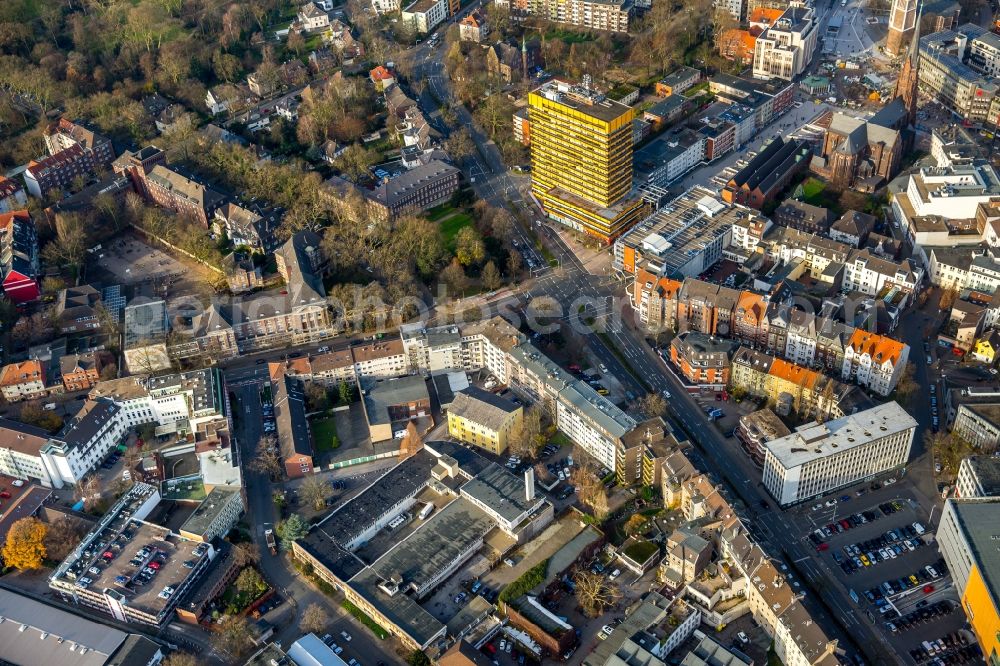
(918, 528)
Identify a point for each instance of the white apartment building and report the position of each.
(177, 402)
(786, 47)
(27, 452)
(819, 458)
(963, 268)
(874, 361)
(870, 274)
(984, 54)
(425, 15)
(385, 6)
(610, 15)
(748, 232)
(978, 476)
(735, 8)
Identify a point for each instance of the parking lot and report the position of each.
(877, 542)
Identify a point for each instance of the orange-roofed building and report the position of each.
(382, 77)
(762, 17)
(737, 45)
(473, 28)
(874, 361)
(655, 299)
(20, 381)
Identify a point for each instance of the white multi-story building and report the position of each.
(425, 15)
(735, 8)
(177, 402)
(978, 476)
(385, 6)
(979, 425)
(27, 452)
(961, 268)
(874, 361)
(786, 47)
(870, 274)
(819, 458)
(610, 15)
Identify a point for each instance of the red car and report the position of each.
(4, 494)
(928, 589)
(823, 546)
(492, 649)
(154, 565)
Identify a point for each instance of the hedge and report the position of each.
(529, 580)
(365, 619)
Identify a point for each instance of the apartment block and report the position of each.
(610, 15)
(20, 264)
(785, 48)
(66, 133)
(702, 359)
(581, 159)
(22, 381)
(483, 419)
(874, 361)
(49, 176)
(425, 15)
(819, 458)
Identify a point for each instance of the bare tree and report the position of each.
(181, 659)
(315, 490)
(595, 593)
(233, 636)
(651, 405)
(314, 620)
(63, 535)
(590, 489)
(266, 459)
(526, 436)
(88, 490)
(246, 554)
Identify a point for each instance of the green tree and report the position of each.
(292, 529)
(346, 392)
(469, 247)
(250, 583)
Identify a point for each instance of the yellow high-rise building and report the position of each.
(581, 159)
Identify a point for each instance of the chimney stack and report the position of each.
(529, 484)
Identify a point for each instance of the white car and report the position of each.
(608, 629)
(603, 367)
(17, 483)
(666, 394)
(503, 645)
(346, 636)
(743, 638)
(615, 574)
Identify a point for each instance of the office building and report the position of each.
(581, 159)
(978, 476)
(979, 425)
(967, 538)
(819, 458)
(425, 15)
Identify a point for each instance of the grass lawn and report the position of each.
(568, 36)
(641, 551)
(560, 439)
(325, 435)
(812, 188)
(438, 212)
(451, 225)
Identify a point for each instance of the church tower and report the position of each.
(906, 85)
(902, 22)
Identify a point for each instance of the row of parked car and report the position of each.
(926, 613)
(928, 574)
(821, 534)
(888, 546)
(952, 648)
(269, 426)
